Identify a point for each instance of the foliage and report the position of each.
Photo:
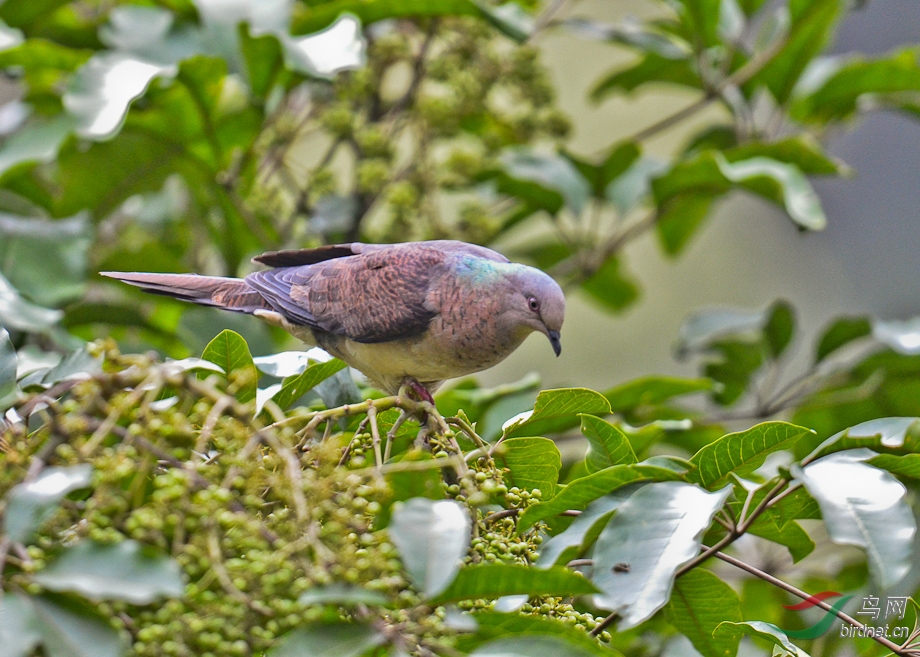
(226, 504)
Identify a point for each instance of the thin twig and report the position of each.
(893, 647)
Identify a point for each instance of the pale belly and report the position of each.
(389, 364)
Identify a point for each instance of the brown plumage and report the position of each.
(422, 311)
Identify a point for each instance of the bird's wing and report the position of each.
(298, 257)
(377, 296)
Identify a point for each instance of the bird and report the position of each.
(409, 314)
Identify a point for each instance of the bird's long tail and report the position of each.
(227, 293)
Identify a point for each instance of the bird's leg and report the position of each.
(420, 390)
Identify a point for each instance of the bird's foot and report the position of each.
(420, 390)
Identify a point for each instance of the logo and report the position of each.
(895, 606)
(825, 623)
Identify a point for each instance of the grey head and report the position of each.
(533, 301)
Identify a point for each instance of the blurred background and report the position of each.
(864, 262)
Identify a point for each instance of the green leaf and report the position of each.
(552, 172)
(781, 183)
(840, 94)
(599, 176)
(342, 594)
(8, 362)
(29, 504)
(494, 625)
(742, 452)
(907, 465)
(581, 492)
(36, 143)
(494, 580)
(607, 445)
(679, 217)
(125, 571)
(652, 391)
(766, 631)
(533, 463)
(531, 645)
(779, 328)
(308, 19)
(699, 602)
(230, 352)
(866, 507)
(18, 314)
(651, 69)
(610, 287)
(264, 59)
(639, 35)
(19, 631)
(557, 409)
(901, 336)
(294, 387)
(840, 333)
(733, 364)
(652, 534)
(701, 18)
(888, 433)
(812, 23)
(71, 630)
(777, 523)
(432, 537)
(341, 640)
(583, 531)
(416, 483)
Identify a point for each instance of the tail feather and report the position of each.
(226, 293)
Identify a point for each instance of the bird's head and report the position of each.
(537, 303)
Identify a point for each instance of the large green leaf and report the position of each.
(17, 314)
(779, 328)
(584, 530)
(19, 631)
(610, 287)
(557, 410)
(8, 364)
(552, 172)
(531, 645)
(766, 631)
(864, 506)
(907, 465)
(432, 537)
(493, 625)
(653, 68)
(29, 504)
(341, 594)
(699, 602)
(294, 387)
(653, 533)
(495, 580)
(651, 391)
(599, 176)
(781, 183)
(125, 571)
(838, 97)
(307, 19)
(812, 23)
(778, 523)
(533, 463)
(71, 630)
(742, 452)
(581, 492)
(887, 433)
(229, 351)
(607, 445)
(341, 640)
(840, 333)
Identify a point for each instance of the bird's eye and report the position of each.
(534, 304)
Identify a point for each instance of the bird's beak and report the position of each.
(554, 340)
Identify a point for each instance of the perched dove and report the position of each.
(415, 313)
